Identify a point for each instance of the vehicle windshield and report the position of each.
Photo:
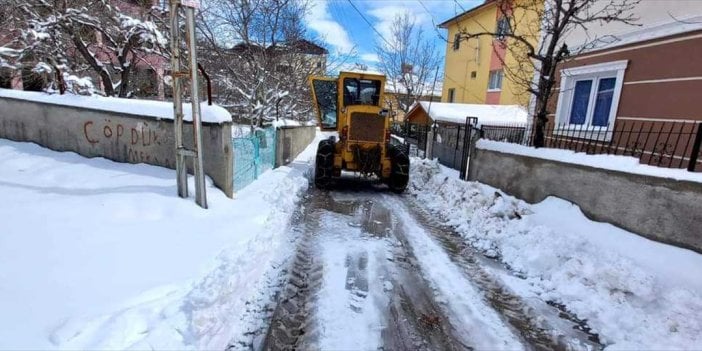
(361, 92)
(325, 94)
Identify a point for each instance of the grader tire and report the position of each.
(399, 172)
(324, 165)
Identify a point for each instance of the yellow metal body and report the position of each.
(344, 156)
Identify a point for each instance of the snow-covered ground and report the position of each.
(634, 292)
(102, 255)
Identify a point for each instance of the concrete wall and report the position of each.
(660, 209)
(291, 141)
(115, 136)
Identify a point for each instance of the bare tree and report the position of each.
(260, 56)
(534, 32)
(88, 38)
(409, 60)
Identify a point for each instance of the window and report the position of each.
(495, 82)
(285, 69)
(361, 92)
(473, 74)
(5, 78)
(456, 42)
(325, 97)
(503, 28)
(589, 95)
(451, 94)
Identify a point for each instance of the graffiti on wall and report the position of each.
(139, 139)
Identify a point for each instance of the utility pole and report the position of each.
(191, 73)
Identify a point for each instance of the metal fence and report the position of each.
(674, 144)
(253, 155)
(414, 136)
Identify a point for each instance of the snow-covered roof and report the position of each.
(146, 108)
(358, 71)
(486, 114)
(391, 87)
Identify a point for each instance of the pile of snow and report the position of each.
(146, 108)
(619, 163)
(96, 254)
(634, 292)
(486, 114)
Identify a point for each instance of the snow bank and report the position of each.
(102, 255)
(487, 114)
(147, 108)
(633, 292)
(619, 163)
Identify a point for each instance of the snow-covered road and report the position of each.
(372, 271)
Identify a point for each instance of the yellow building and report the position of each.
(486, 69)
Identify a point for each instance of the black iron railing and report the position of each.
(671, 144)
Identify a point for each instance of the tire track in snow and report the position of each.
(465, 305)
(542, 324)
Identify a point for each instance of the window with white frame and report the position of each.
(495, 81)
(589, 95)
(451, 94)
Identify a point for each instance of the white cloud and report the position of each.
(427, 14)
(320, 20)
(370, 58)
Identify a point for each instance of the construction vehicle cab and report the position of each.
(351, 105)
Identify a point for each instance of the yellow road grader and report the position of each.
(351, 105)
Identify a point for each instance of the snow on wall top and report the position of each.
(487, 114)
(626, 164)
(146, 108)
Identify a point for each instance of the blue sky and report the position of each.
(337, 23)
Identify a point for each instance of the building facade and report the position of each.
(478, 70)
(647, 81)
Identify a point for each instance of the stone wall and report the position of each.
(116, 136)
(291, 141)
(661, 209)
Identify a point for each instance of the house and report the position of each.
(426, 113)
(449, 121)
(475, 68)
(643, 88)
(397, 98)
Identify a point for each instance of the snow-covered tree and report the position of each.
(90, 39)
(257, 52)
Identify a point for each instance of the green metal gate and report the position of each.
(253, 155)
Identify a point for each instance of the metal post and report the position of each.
(200, 196)
(429, 148)
(181, 169)
(695, 149)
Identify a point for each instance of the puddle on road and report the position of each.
(370, 215)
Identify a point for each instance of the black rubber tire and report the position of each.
(399, 171)
(324, 164)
